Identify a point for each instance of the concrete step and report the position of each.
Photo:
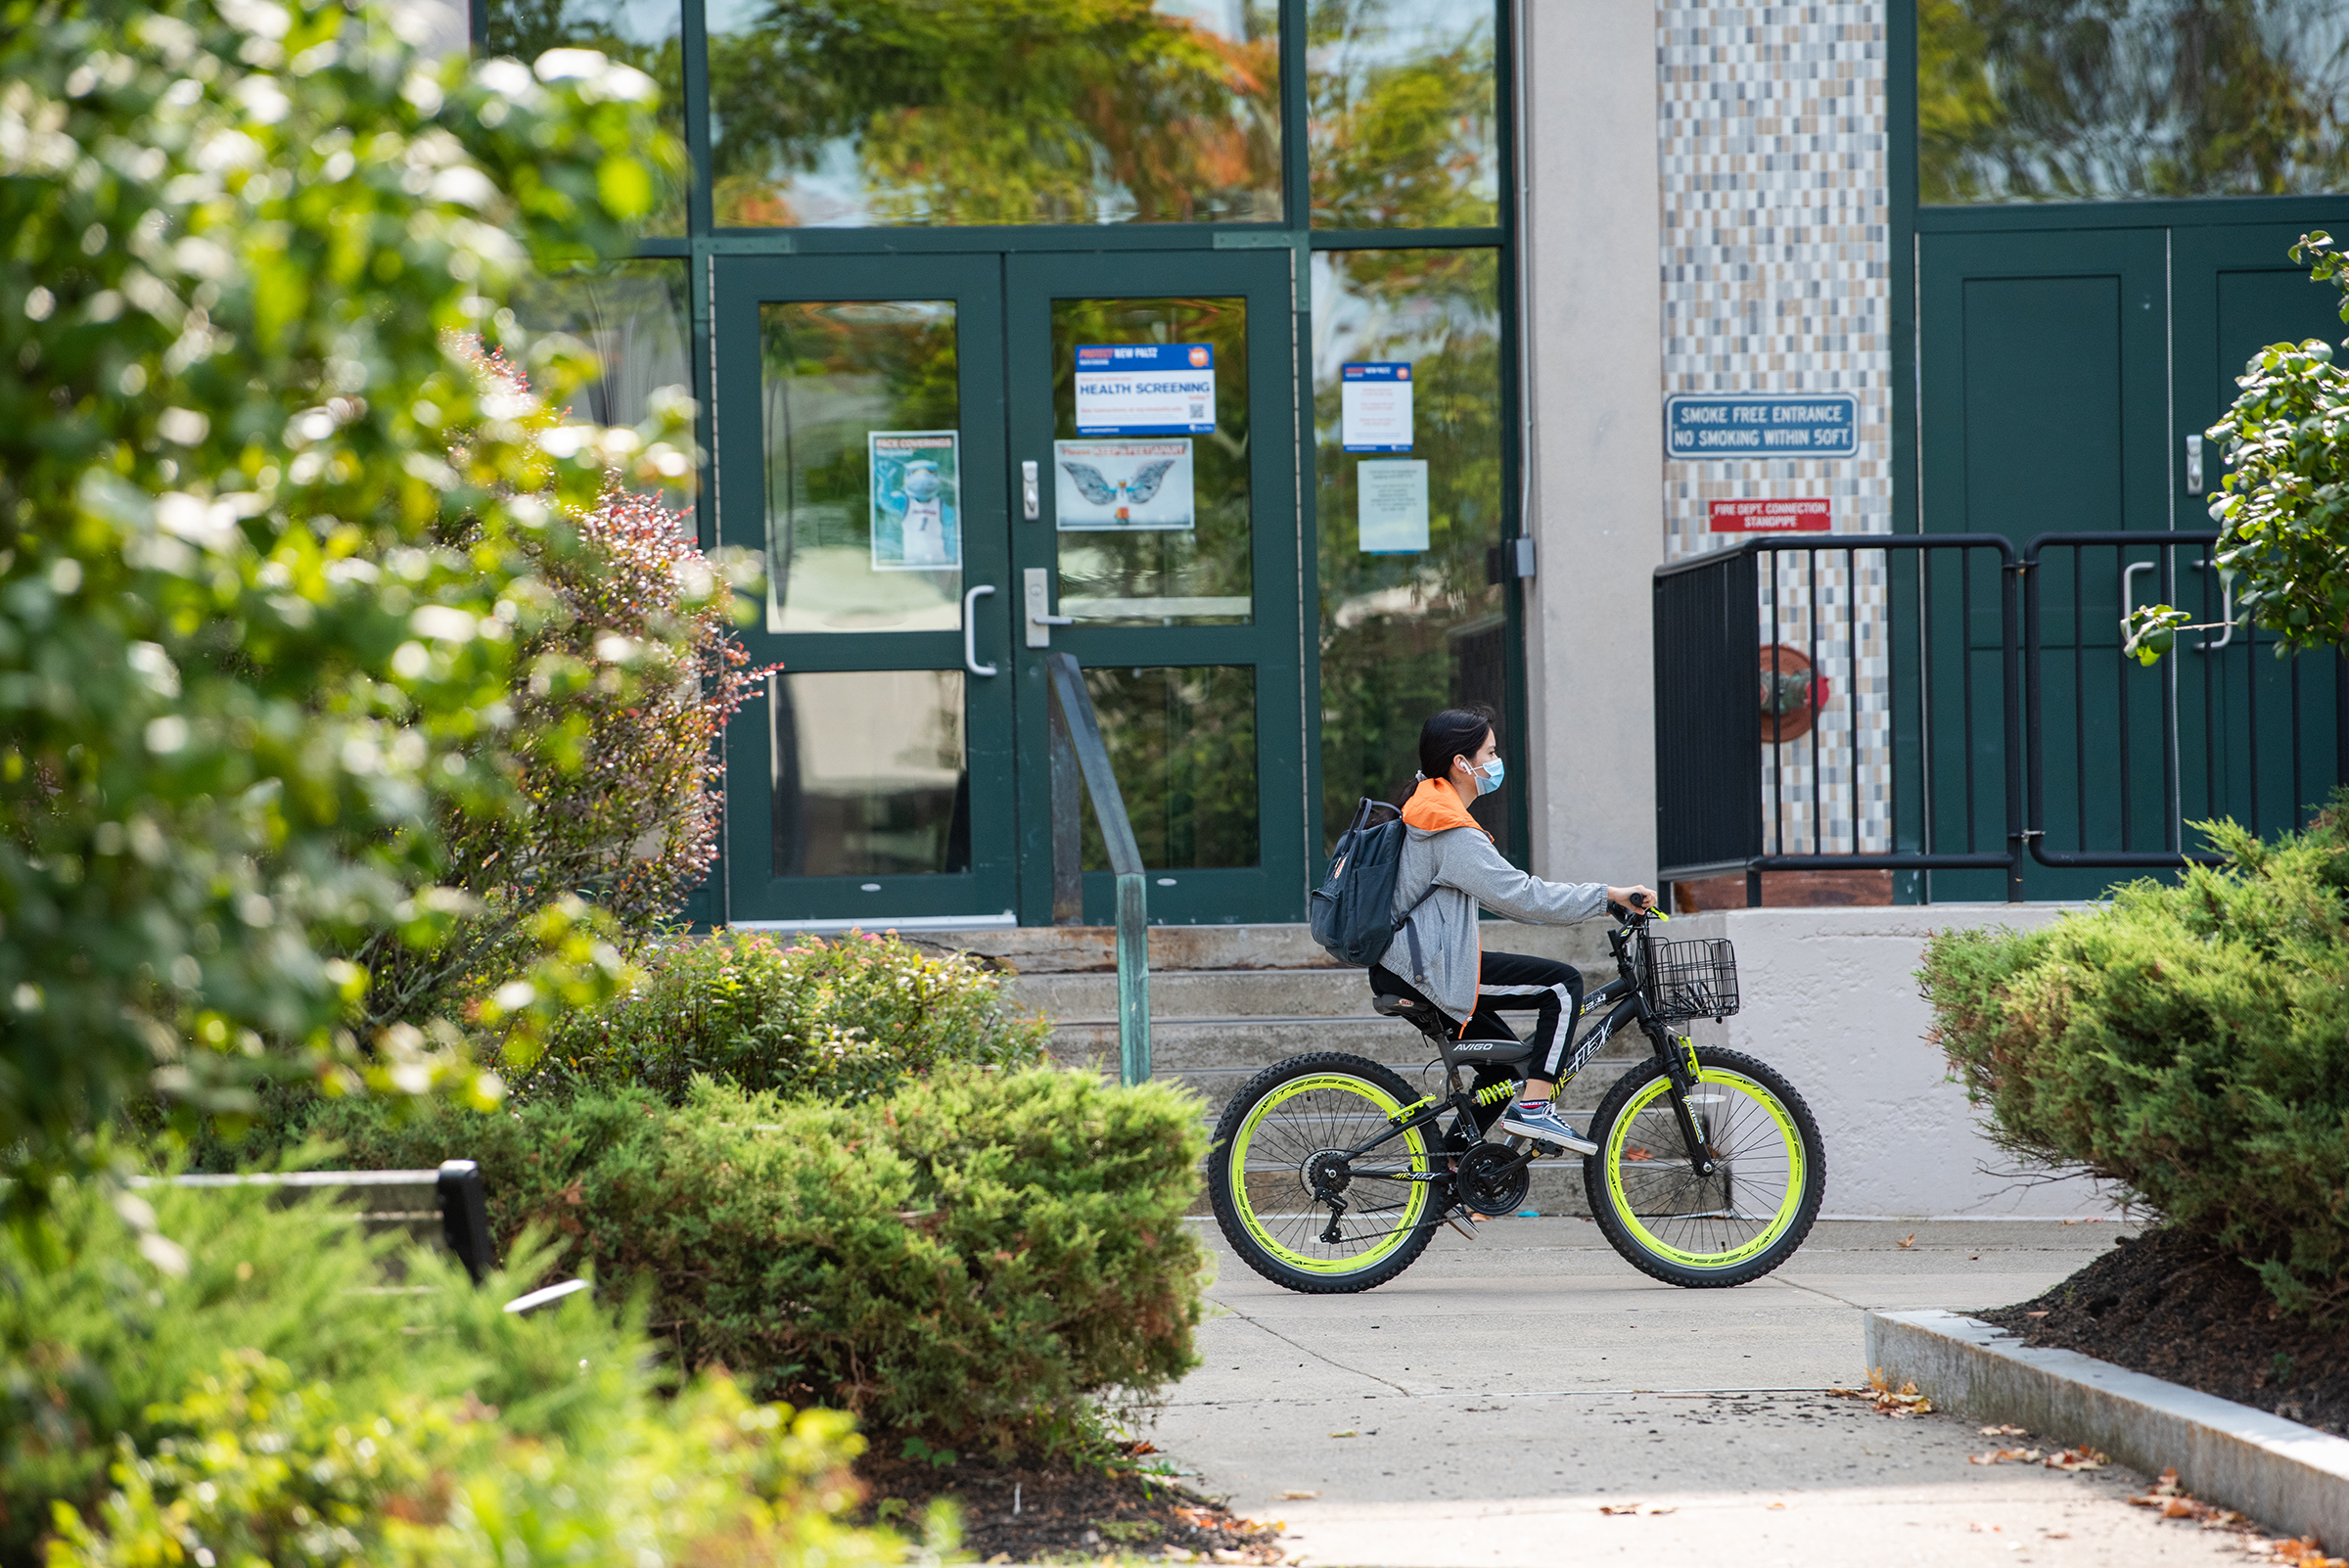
(1083, 949)
(1204, 994)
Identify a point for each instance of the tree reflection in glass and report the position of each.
(1199, 575)
(1402, 115)
(634, 316)
(831, 374)
(854, 112)
(2087, 100)
(646, 33)
(1404, 635)
(1182, 743)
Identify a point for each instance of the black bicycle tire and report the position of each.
(1218, 1179)
(1815, 1158)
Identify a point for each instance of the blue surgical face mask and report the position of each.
(1489, 777)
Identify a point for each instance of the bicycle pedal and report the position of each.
(1548, 1151)
(1458, 1221)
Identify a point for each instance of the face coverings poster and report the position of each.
(917, 499)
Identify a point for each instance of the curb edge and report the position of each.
(2277, 1471)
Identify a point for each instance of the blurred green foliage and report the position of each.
(248, 1390)
(986, 111)
(2094, 100)
(1405, 114)
(2188, 1041)
(261, 525)
(841, 1020)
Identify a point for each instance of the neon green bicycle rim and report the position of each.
(1788, 1140)
(1402, 1221)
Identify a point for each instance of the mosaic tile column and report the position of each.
(1775, 263)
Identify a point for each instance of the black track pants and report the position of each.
(1509, 982)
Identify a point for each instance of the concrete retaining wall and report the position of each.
(2282, 1473)
(1830, 999)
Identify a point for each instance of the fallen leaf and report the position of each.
(2004, 1431)
(1297, 1496)
(1909, 1240)
(1981, 1529)
(1635, 1154)
(1349, 1432)
(2003, 1456)
(2038, 1315)
(2076, 1460)
(1886, 1400)
(1774, 1506)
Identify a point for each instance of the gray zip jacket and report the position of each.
(1465, 870)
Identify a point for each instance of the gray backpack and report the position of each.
(1352, 910)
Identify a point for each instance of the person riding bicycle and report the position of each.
(1449, 866)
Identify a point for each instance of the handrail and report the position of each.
(1077, 753)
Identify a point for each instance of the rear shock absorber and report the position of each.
(1495, 1093)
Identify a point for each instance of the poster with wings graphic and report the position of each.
(1128, 485)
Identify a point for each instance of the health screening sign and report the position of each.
(1777, 425)
(1145, 388)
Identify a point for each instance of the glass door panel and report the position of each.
(875, 782)
(1158, 401)
(1150, 504)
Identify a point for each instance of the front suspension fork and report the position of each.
(1681, 1069)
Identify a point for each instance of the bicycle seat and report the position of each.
(1431, 1022)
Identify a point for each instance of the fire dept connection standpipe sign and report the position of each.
(1145, 388)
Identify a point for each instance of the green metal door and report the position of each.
(2237, 291)
(1171, 546)
(859, 434)
(2043, 403)
(901, 437)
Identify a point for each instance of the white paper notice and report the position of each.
(1394, 505)
(1375, 406)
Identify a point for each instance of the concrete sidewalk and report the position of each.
(1503, 1390)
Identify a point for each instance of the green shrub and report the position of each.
(967, 1258)
(252, 1468)
(839, 1021)
(218, 1340)
(2188, 1041)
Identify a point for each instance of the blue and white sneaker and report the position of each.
(1541, 1121)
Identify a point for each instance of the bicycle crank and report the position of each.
(1492, 1181)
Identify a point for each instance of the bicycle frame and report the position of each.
(1628, 939)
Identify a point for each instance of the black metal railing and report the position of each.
(1078, 757)
(1988, 716)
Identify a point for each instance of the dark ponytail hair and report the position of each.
(1454, 732)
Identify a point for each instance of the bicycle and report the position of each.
(1709, 1169)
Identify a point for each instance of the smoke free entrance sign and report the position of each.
(1777, 425)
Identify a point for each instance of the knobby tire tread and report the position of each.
(1220, 1178)
(1594, 1177)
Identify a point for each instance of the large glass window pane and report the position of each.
(871, 775)
(1182, 743)
(860, 112)
(1403, 130)
(648, 35)
(636, 316)
(1411, 620)
(863, 466)
(2091, 100)
(1154, 530)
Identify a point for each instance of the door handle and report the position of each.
(1037, 583)
(2226, 615)
(970, 632)
(1032, 496)
(2128, 590)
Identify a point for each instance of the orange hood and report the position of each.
(1434, 807)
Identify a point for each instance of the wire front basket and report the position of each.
(1693, 978)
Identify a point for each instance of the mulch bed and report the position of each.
(1064, 1511)
(2173, 1306)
